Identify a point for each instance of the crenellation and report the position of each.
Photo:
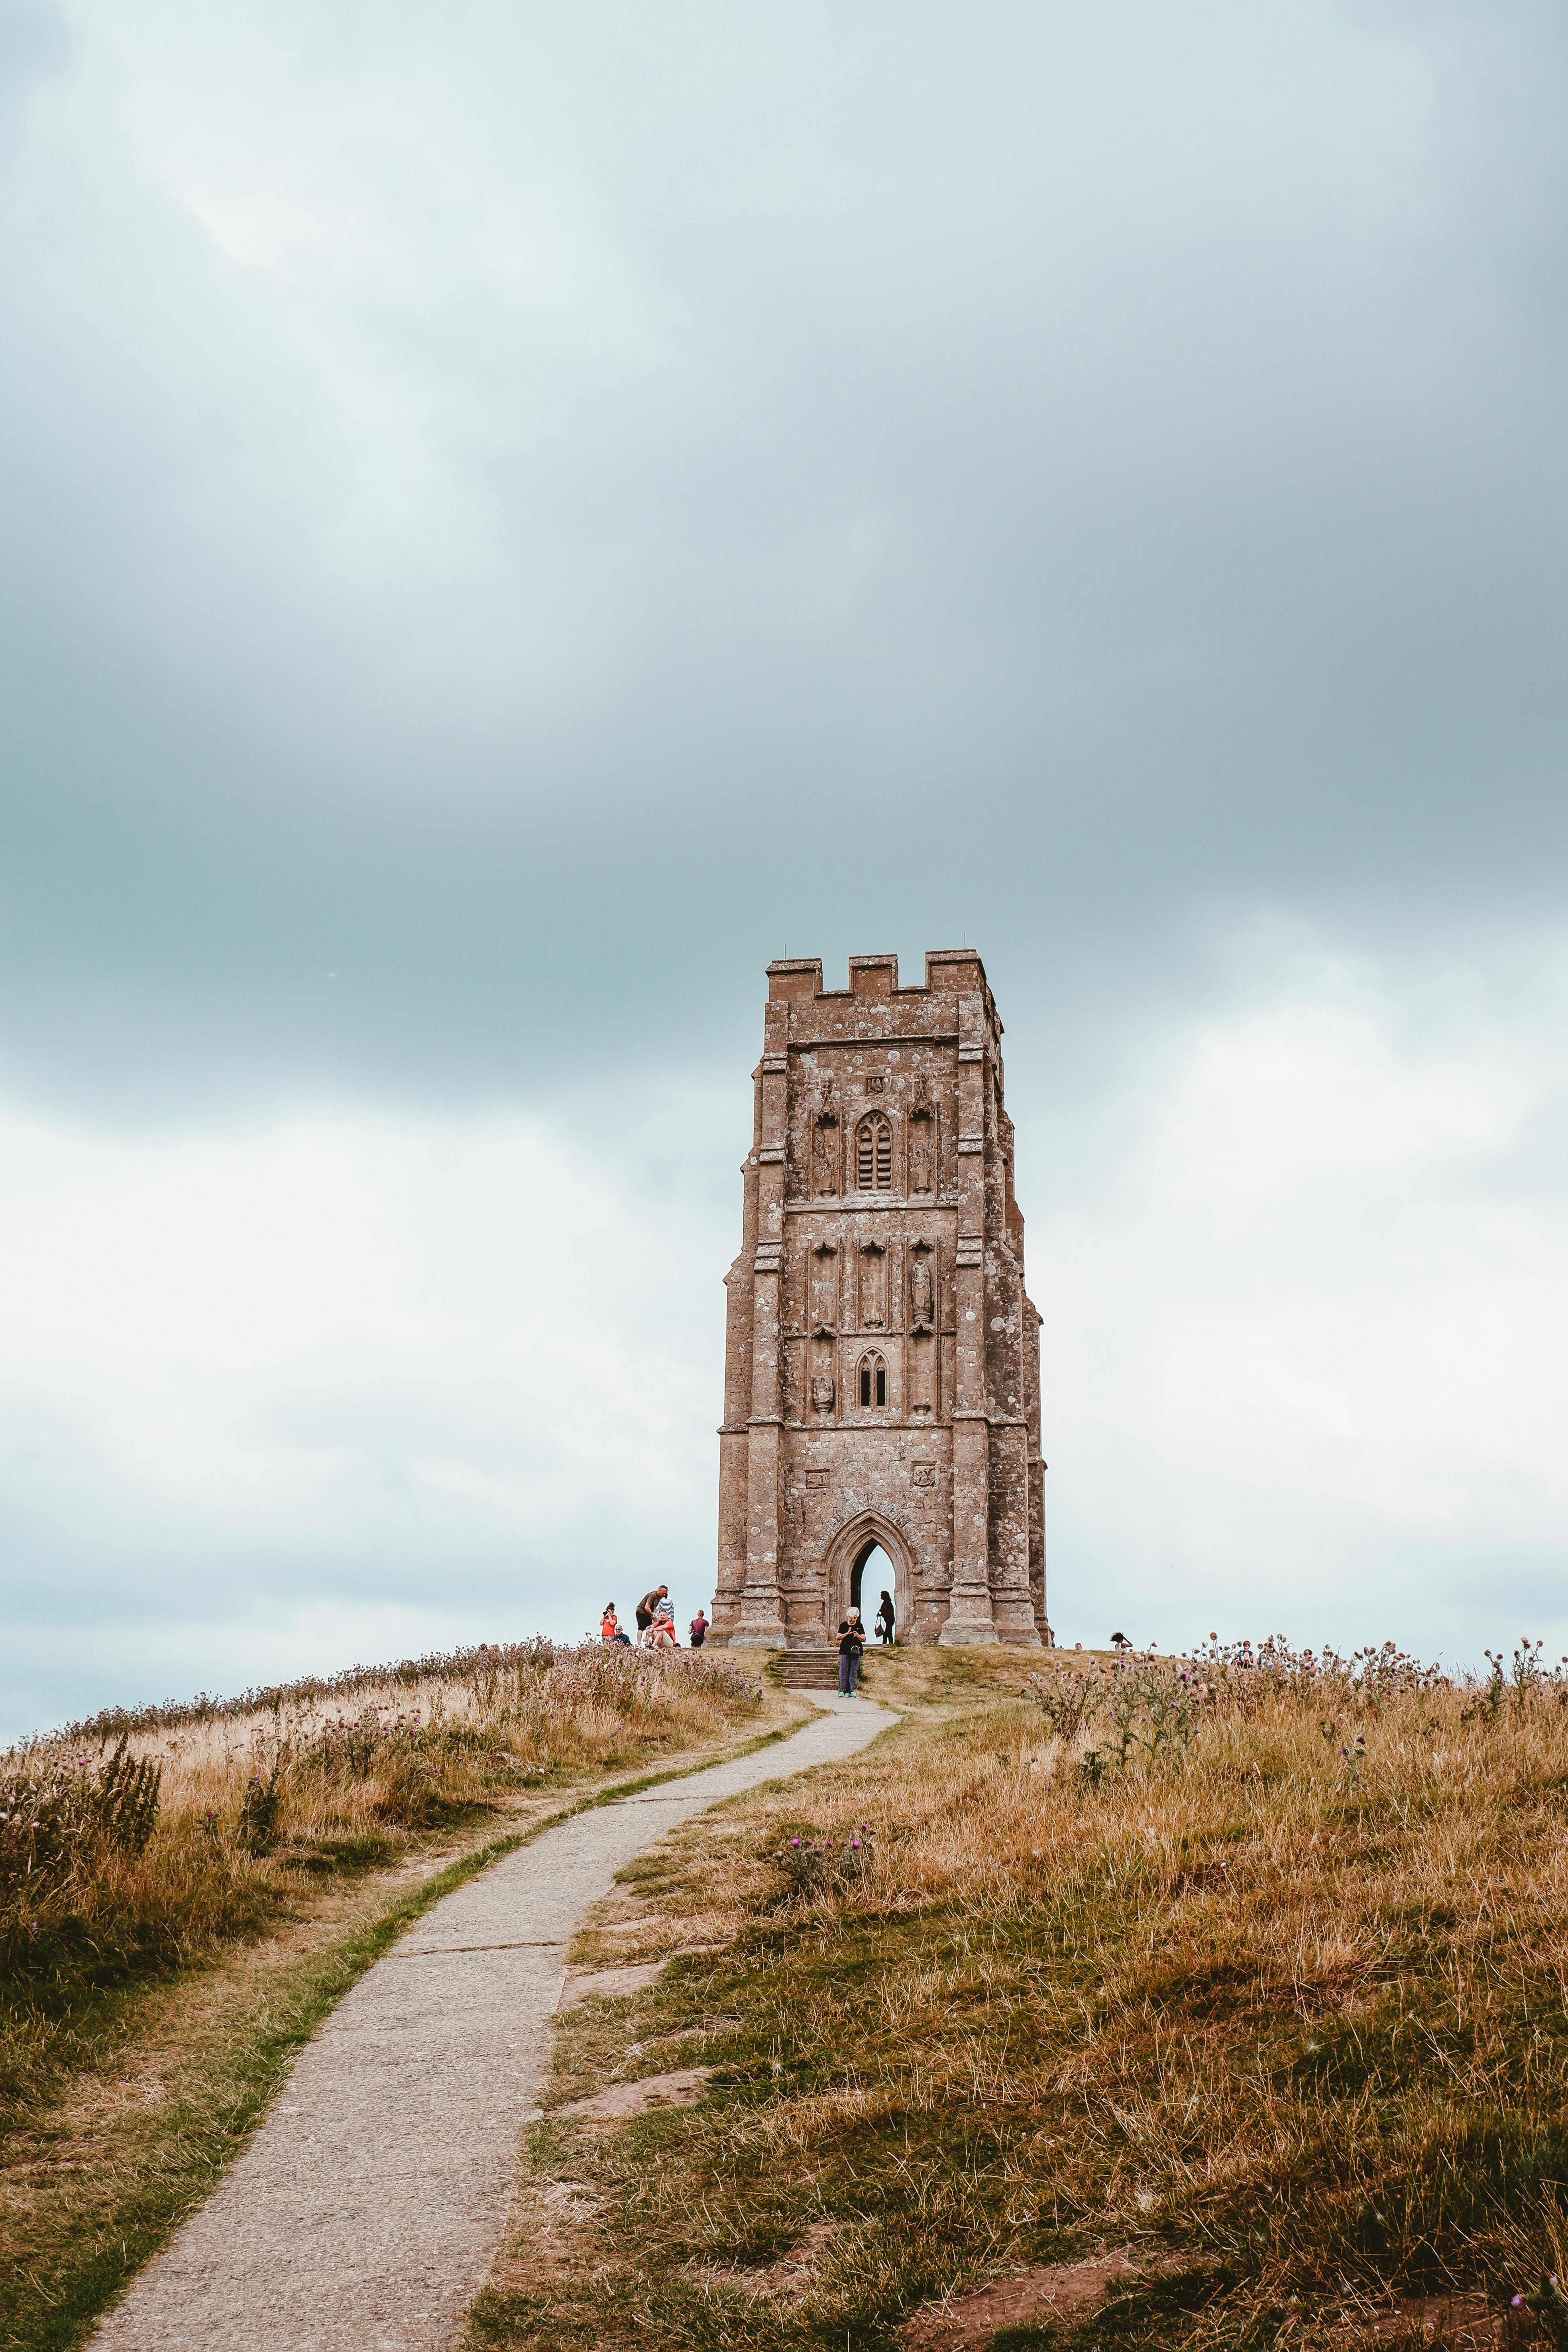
(882, 1368)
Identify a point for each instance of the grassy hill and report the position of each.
(1227, 2011)
(1102, 2002)
(186, 1890)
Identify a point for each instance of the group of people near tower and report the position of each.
(656, 1631)
(655, 1623)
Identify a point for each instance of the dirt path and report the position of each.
(371, 2203)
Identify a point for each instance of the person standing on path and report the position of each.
(851, 1642)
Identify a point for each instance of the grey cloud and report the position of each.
(1064, 474)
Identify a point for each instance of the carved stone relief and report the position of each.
(921, 1132)
(922, 1290)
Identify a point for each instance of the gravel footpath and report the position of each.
(366, 2212)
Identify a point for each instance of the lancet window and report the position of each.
(873, 1380)
(874, 1155)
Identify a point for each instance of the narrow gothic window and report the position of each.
(873, 1380)
(874, 1155)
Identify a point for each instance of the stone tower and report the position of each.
(882, 1363)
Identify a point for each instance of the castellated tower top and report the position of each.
(797, 980)
(882, 1357)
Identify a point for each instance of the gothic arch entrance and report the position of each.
(845, 1562)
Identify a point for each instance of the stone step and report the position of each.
(808, 1669)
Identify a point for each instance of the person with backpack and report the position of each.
(851, 1642)
(697, 1629)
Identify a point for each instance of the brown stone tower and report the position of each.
(882, 1365)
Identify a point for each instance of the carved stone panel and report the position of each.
(825, 1151)
(824, 1290)
(873, 1287)
(922, 1369)
(922, 1290)
(921, 1138)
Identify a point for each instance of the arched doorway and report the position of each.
(872, 1575)
(868, 1553)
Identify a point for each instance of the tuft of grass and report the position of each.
(1284, 1986)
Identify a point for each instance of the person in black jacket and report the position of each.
(851, 1642)
(884, 1618)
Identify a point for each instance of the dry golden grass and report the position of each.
(154, 1999)
(1289, 2003)
(249, 1800)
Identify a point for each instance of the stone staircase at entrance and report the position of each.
(808, 1669)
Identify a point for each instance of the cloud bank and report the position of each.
(515, 516)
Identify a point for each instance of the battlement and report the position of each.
(953, 971)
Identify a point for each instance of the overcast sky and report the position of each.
(515, 515)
